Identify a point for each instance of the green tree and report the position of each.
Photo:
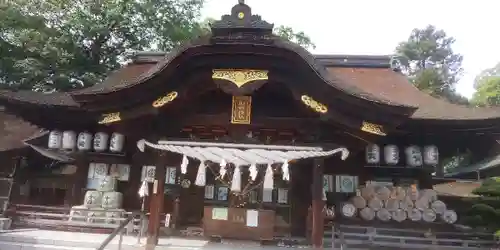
(487, 85)
(485, 211)
(58, 45)
(299, 38)
(431, 64)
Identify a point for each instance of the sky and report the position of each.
(375, 27)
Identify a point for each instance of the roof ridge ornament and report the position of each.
(241, 20)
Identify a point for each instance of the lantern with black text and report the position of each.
(69, 140)
(431, 155)
(55, 139)
(372, 154)
(391, 154)
(84, 141)
(116, 142)
(413, 156)
(101, 142)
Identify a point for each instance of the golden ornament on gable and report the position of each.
(110, 118)
(313, 104)
(240, 77)
(160, 102)
(373, 128)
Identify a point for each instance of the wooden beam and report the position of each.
(156, 200)
(317, 204)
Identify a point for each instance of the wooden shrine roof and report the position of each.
(365, 74)
(14, 131)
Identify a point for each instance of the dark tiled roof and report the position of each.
(389, 85)
(52, 99)
(13, 131)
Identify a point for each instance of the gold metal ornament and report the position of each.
(313, 104)
(160, 102)
(241, 111)
(241, 15)
(240, 77)
(373, 128)
(110, 118)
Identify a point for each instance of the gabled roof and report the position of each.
(13, 131)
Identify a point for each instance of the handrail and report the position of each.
(118, 230)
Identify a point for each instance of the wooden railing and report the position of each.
(353, 237)
(60, 218)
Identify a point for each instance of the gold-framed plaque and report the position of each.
(241, 110)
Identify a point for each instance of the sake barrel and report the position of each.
(438, 206)
(348, 210)
(55, 139)
(368, 192)
(399, 193)
(112, 200)
(428, 215)
(422, 203)
(92, 199)
(101, 142)
(383, 214)
(107, 184)
(391, 204)
(116, 143)
(69, 140)
(415, 215)
(84, 141)
(375, 203)
(430, 194)
(406, 204)
(412, 193)
(383, 193)
(399, 215)
(358, 202)
(449, 216)
(367, 213)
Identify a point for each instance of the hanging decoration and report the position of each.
(286, 171)
(55, 139)
(223, 169)
(391, 154)
(144, 189)
(69, 140)
(236, 182)
(117, 142)
(84, 141)
(431, 155)
(253, 171)
(101, 141)
(413, 156)
(201, 176)
(268, 178)
(184, 164)
(372, 154)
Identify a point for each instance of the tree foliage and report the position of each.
(487, 85)
(431, 64)
(485, 211)
(58, 45)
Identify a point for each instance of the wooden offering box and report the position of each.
(239, 223)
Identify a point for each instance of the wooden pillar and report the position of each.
(317, 204)
(157, 197)
(79, 179)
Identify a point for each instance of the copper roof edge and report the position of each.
(327, 60)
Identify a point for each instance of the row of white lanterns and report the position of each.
(85, 141)
(413, 155)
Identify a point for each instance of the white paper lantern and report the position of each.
(391, 154)
(413, 156)
(372, 154)
(101, 142)
(116, 143)
(69, 140)
(55, 139)
(431, 155)
(84, 141)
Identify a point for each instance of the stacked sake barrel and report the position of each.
(387, 203)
